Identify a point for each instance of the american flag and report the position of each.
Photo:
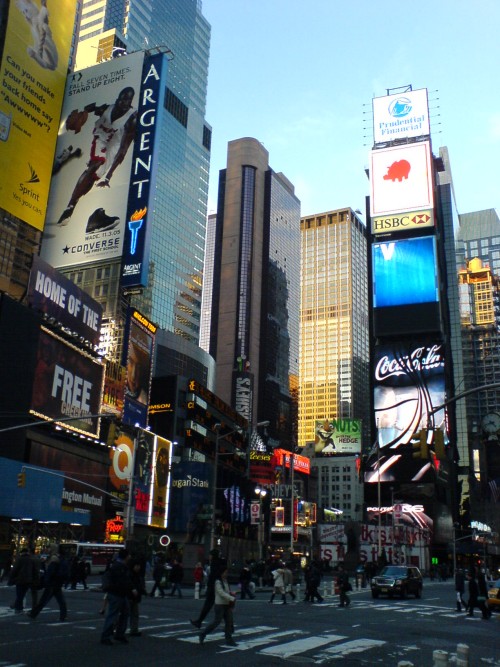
(495, 490)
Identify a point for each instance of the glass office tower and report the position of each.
(334, 329)
(172, 298)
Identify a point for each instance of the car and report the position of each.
(494, 596)
(399, 580)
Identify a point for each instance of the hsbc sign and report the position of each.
(412, 220)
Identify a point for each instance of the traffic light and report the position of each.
(21, 479)
(421, 448)
(439, 447)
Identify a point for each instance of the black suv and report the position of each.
(397, 580)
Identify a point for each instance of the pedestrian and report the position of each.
(288, 582)
(82, 573)
(25, 576)
(117, 583)
(224, 604)
(279, 584)
(158, 574)
(139, 586)
(176, 577)
(57, 574)
(198, 575)
(344, 587)
(245, 580)
(474, 598)
(313, 579)
(73, 573)
(460, 589)
(217, 564)
(6, 569)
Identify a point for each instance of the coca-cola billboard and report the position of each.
(409, 384)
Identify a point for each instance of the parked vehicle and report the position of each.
(494, 596)
(398, 580)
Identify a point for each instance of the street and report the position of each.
(368, 632)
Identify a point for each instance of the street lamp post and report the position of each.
(261, 494)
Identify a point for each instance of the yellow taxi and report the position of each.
(494, 596)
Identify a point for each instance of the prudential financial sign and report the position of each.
(400, 116)
(137, 236)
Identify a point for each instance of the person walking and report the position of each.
(158, 574)
(474, 599)
(56, 576)
(176, 577)
(139, 586)
(460, 589)
(288, 582)
(119, 587)
(344, 587)
(279, 584)
(313, 580)
(198, 575)
(217, 564)
(224, 604)
(245, 580)
(25, 576)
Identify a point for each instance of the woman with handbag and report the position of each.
(224, 605)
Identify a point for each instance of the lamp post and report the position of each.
(261, 493)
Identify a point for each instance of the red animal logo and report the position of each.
(397, 171)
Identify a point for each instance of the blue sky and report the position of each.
(299, 76)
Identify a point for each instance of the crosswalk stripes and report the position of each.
(285, 644)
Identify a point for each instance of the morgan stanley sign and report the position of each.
(137, 238)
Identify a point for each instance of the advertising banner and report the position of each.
(337, 436)
(138, 360)
(56, 296)
(67, 383)
(142, 184)
(190, 497)
(401, 179)
(33, 75)
(161, 483)
(144, 471)
(401, 116)
(402, 222)
(409, 382)
(94, 157)
(121, 468)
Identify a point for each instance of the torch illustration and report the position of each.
(134, 224)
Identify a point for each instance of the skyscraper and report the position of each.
(255, 303)
(172, 297)
(334, 321)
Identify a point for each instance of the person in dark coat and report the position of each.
(158, 574)
(139, 586)
(460, 589)
(313, 579)
(176, 577)
(344, 587)
(56, 575)
(245, 579)
(25, 576)
(119, 588)
(474, 599)
(217, 564)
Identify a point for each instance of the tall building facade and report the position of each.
(334, 324)
(172, 297)
(255, 301)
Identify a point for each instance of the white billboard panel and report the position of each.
(401, 116)
(401, 179)
(87, 207)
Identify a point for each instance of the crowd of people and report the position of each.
(124, 585)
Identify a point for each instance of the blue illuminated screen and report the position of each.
(404, 272)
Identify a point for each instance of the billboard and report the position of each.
(33, 73)
(152, 474)
(405, 286)
(337, 436)
(91, 177)
(401, 116)
(138, 361)
(135, 267)
(402, 222)
(409, 382)
(401, 179)
(56, 296)
(67, 384)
